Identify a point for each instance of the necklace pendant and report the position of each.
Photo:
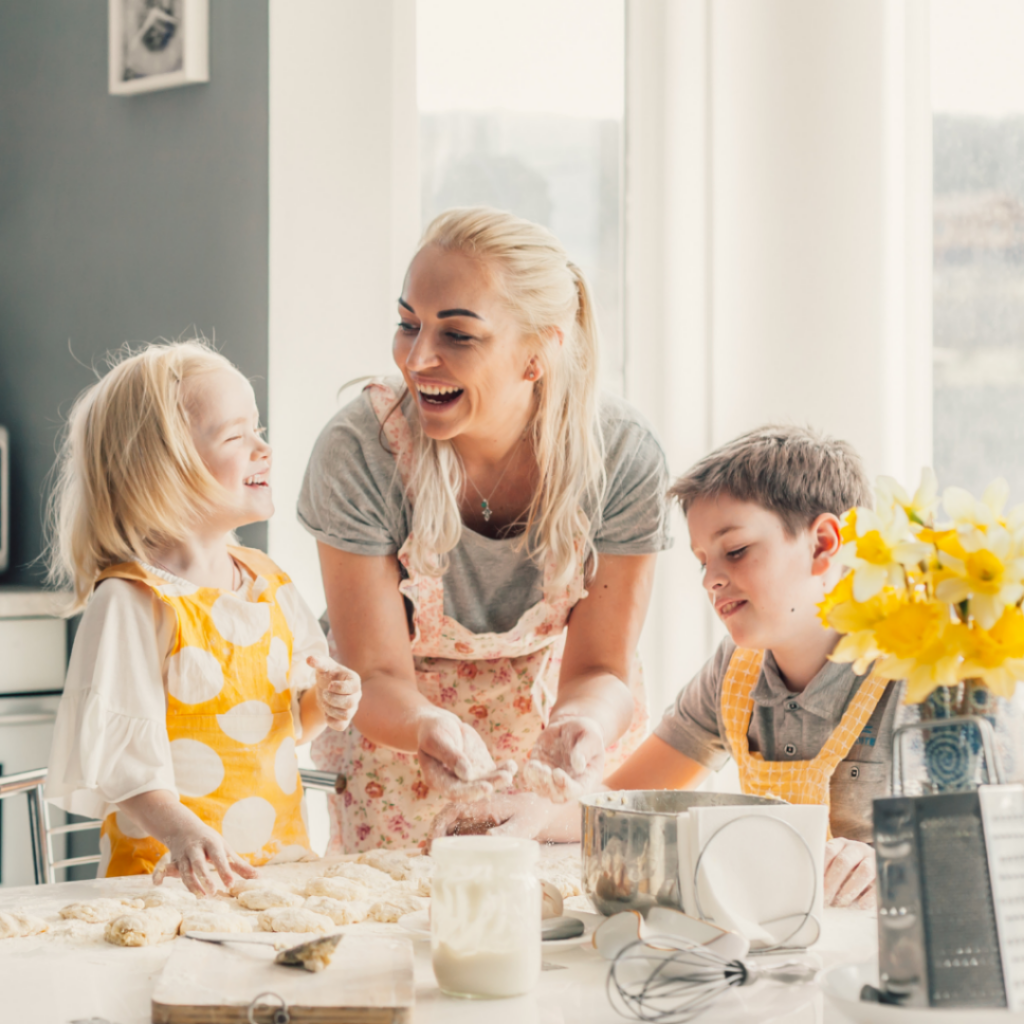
(486, 509)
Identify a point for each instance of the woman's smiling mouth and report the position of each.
(438, 395)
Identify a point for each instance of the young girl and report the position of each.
(197, 665)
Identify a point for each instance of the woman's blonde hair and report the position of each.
(128, 477)
(547, 295)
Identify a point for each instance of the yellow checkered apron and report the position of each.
(229, 718)
(797, 782)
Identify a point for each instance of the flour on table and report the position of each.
(338, 889)
(564, 873)
(16, 925)
(143, 927)
(372, 878)
(99, 911)
(294, 919)
(339, 911)
(398, 904)
(264, 899)
(392, 862)
(205, 921)
(179, 899)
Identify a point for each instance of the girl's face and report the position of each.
(463, 357)
(225, 426)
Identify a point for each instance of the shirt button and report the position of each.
(790, 749)
(854, 773)
(792, 706)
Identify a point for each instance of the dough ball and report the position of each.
(143, 927)
(338, 889)
(565, 873)
(397, 905)
(99, 911)
(265, 899)
(14, 924)
(339, 911)
(392, 862)
(372, 878)
(294, 919)
(551, 900)
(179, 899)
(204, 921)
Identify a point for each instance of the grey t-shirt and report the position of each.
(352, 499)
(788, 726)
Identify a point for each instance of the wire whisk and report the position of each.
(669, 980)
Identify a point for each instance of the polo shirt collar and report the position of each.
(826, 695)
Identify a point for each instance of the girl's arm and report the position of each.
(371, 633)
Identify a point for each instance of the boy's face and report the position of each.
(764, 584)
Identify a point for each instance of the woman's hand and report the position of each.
(455, 762)
(196, 853)
(526, 815)
(567, 760)
(849, 874)
(338, 690)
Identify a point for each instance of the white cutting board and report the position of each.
(368, 981)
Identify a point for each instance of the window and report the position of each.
(521, 107)
(978, 243)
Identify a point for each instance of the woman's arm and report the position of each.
(371, 633)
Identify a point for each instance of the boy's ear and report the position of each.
(827, 542)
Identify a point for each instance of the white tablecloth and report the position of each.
(54, 983)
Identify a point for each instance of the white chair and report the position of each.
(32, 784)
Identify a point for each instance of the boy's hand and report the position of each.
(455, 761)
(849, 874)
(338, 690)
(567, 760)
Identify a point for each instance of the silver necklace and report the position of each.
(485, 506)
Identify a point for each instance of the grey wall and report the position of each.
(121, 219)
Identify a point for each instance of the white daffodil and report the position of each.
(883, 546)
(990, 576)
(965, 510)
(921, 507)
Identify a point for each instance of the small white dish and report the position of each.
(842, 986)
(418, 924)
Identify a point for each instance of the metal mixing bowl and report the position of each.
(629, 845)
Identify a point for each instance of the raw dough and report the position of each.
(16, 925)
(294, 919)
(143, 927)
(180, 899)
(248, 884)
(398, 904)
(392, 862)
(372, 878)
(338, 889)
(204, 921)
(99, 911)
(339, 911)
(264, 899)
(564, 873)
(551, 900)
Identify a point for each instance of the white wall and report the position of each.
(778, 244)
(344, 220)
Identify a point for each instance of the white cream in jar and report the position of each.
(485, 913)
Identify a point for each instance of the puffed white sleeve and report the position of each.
(307, 638)
(110, 739)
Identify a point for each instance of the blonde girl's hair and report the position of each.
(128, 477)
(546, 294)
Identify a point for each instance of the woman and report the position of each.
(487, 539)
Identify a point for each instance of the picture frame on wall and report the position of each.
(157, 44)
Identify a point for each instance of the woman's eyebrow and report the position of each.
(458, 312)
(405, 305)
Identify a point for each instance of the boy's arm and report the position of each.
(656, 765)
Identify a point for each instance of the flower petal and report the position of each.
(868, 580)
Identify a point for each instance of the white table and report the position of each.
(53, 983)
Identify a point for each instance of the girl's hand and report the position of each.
(455, 761)
(849, 874)
(201, 858)
(338, 690)
(511, 814)
(567, 759)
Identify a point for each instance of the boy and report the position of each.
(763, 516)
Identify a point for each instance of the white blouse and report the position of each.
(110, 739)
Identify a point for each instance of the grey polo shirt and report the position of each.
(787, 726)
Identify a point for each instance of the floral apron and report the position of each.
(798, 782)
(229, 719)
(502, 684)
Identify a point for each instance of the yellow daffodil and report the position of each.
(858, 621)
(988, 576)
(839, 594)
(996, 655)
(965, 510)
(880, 551)
(848, 526)
(921, 508)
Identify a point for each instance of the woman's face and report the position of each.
(465, 361)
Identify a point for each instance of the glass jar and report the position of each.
(485, 913)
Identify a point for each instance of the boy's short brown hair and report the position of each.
(796, 472)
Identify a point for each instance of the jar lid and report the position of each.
(497, 850)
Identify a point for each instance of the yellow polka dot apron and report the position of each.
(502, 684)
(798, 782)
(229, 718)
